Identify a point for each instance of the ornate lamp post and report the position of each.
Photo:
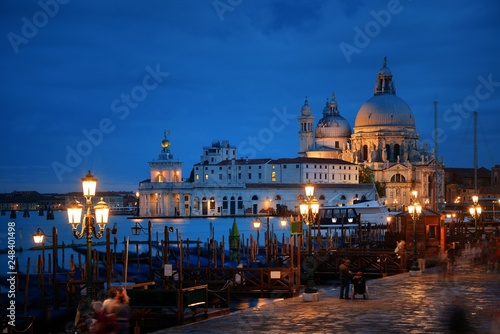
(475, 211)
(89, 183)
(414, 209)
(308, 210)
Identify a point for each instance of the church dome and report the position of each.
(332, 125)
(385, 108)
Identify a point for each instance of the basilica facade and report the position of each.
(384, 140)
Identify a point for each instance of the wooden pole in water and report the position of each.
(109, 264)
(188, 253)
(150, 252)
(27, 286)
(54, 267)
(181, 264)
(165, 255)
(125, 269)
(199, 253)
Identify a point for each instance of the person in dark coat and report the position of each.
(345, 278)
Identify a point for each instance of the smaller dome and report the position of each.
(333, 127)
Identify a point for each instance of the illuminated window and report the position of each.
(273, 177)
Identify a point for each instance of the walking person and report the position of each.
(451, 259)
(121, 310)
(345, 278)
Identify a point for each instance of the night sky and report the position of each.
(94, 85)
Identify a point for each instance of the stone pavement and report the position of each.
(396, 304)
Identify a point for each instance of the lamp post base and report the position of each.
(414, 273)
(310, 296)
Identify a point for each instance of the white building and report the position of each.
(223, 185)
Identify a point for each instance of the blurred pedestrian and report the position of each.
(450, 253)
(121, 310)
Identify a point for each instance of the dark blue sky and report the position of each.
(105, 79)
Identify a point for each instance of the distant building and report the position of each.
(461, 186)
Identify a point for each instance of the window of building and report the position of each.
(249, 176)
(260, 176)
(206, 176)
(255, 198)
(224, 203)
(398, 178)
(273, 176)
(196, 203)
(240, 202)
(212, 203)
(220, 176)
(239, 176)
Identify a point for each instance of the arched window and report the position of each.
(365, 153)
(240, 202)
(224, 203)
(398, 178)
(396, 151)
(212, 203)
(255, 198)
(388, 151)
(322, 197)
(277, 198)
(342, 198)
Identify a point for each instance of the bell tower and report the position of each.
(306, 129)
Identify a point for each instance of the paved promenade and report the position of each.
(396, 304)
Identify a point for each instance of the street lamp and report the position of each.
(137, 204)
(137, 229)
(89, 183)
(414, 209)
(475, 211)
(308, 210)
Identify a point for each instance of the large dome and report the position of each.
(385, 110)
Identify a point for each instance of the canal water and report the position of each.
(19, 233)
